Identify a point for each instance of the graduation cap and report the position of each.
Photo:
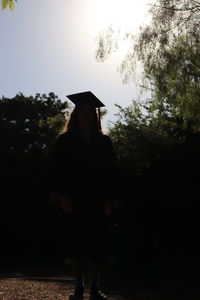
(87, 98)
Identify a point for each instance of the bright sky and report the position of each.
(49, 46)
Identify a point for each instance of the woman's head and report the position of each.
(83, 116)
(86, 116)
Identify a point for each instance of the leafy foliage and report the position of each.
(28, 129)
(158, 159)
(30, 124)
(168, 50)
(8, 3)
(143, 138)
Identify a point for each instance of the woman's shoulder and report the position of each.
(63, 137)
(105, 138)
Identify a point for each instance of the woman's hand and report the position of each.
(107, 208)
(64, 202)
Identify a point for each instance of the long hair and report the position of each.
(72, 126)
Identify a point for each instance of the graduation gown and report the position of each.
(86, 173)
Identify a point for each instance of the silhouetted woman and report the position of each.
(84, 176)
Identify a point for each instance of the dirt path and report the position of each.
(30, 288)
(19, 286)
(33, 289)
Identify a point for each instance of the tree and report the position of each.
(157, 142)
(158, 160)
(143, 139)
(28, 129)
(30, 124)
(168, 50)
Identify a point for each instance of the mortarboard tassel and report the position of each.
(99, 118)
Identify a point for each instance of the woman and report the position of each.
(84, 176)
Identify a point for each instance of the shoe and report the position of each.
(78, 294)
(98, 295)
(75, 297)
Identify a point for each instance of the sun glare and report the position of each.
(123, 14)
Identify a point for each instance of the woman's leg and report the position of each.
(78, 270)
(95, 292)
(94, 276)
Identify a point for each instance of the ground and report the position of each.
(46, 285)
(20, 286)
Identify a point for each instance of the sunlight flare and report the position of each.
(123, 14)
